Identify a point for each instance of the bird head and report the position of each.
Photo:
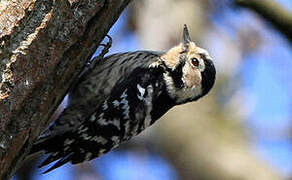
(189, 72)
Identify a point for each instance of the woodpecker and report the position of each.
(123, 94)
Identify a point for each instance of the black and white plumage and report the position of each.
(121, 96)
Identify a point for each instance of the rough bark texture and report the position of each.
(43, 45)
(273, 12)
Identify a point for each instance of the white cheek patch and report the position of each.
(181, 95)
(191, 76)
(187, 68)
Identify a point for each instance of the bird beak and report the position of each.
(186, 36)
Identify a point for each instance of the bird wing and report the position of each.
(92, 89)
(125, 113)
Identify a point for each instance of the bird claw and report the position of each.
(104, 51)
(106, 46)
(90, 64)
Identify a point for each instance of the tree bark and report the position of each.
(272, 12)
(43, 46)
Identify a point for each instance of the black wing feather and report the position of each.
(107, 127)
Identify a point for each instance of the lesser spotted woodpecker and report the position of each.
(122, 95)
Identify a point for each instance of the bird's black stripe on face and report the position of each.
(176, 74)
(208, 76)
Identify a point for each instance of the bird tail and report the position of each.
(52, 145)
(42, 144)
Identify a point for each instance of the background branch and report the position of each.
(273, 12)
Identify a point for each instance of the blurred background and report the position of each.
(241, 131)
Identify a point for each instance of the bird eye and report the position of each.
(195, 62)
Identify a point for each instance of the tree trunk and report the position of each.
(43, 46)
